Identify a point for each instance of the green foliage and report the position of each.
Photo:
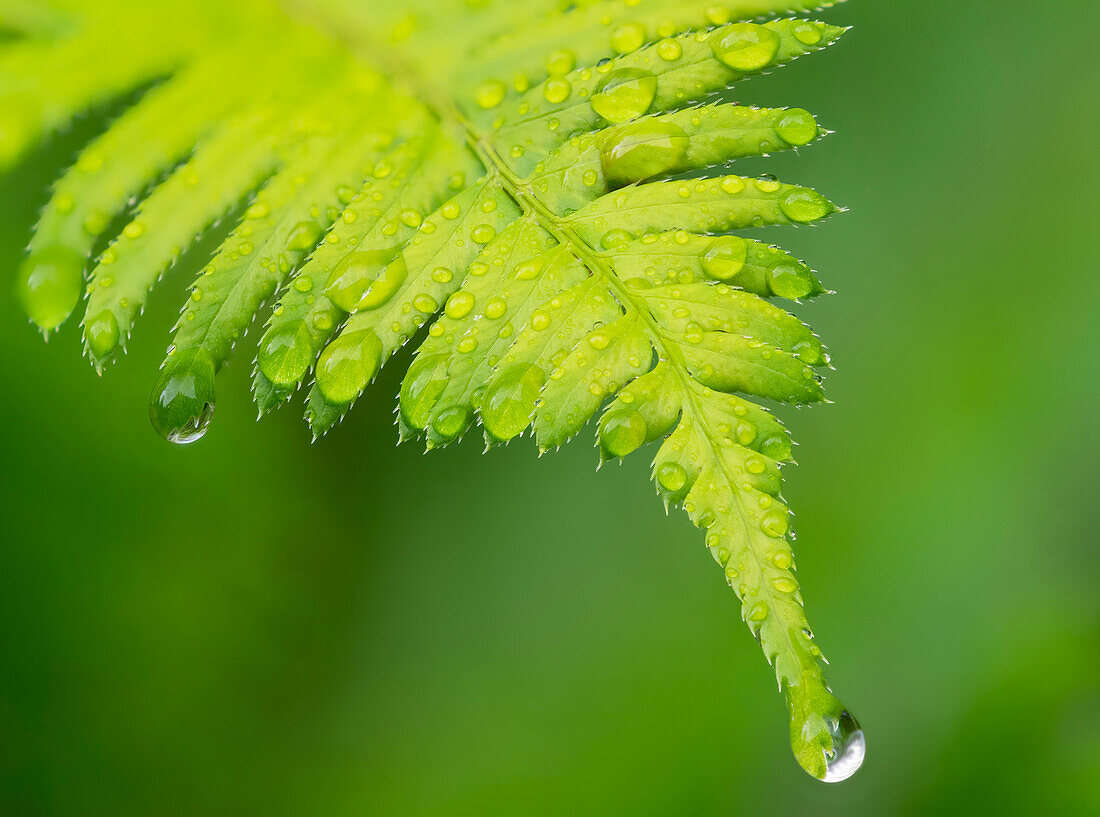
(539, 184)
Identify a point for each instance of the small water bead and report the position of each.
(303, 283)
(756, 465)
(354, 275)
(49, 284)
(628, 37)
(258, 210)
(758, 611)
(745, 47)
(467, 344)
(102, 335)
(346, 194)
(450, 210)
(804, 206)
(483, 233)
(624, 94)
(785, 584)
(775, 523)
(540, 320)
(509, 402)
(442, 275)
(782, 559)
(490, 94)
(643, 150)
(425, 303)
(134, 229)
(182, 403)
(669, 50)
(767, 184)
(616, 239)
(347, 365)
(732, 185)
(459, 305)
(557, 90)
(672, 476)
(495, 308)
(726, 258)
(806, 32)
(622, 432)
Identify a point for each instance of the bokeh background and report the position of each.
(257, 625)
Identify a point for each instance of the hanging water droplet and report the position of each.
(849, 749)
(509, 403)
(624, 94)
(102, 335)
(622, 432)
(182, 403)
(803, 205)
(49, 284)
(347, 365)
(643, 150)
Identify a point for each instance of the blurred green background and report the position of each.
(255, 625)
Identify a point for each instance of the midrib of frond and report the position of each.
(390, 62)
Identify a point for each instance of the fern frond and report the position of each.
(543, 185)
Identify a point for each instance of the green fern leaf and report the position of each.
(540, 185)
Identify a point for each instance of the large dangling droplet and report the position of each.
(182, 403)
(849, 748)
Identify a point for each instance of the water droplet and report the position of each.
(669, 50)
(182, 403)
(758, 611)
(483, 233)
(806, 32)
(285, 354)
(304, 236)
(622, 432)
(495, 308)
(745, 47)
(797, 127)
(643, 150)
(49, 284)
(616, 239)
(448, 423)
(509, 402)
(353, 276)
(775, 523)
(849, 749)
(725, 258)
(561, 62)
(459, 305)
(424, 382)
(628, 37)
(490, 94)
(347, 365)
(672, 476)
(624, 94)
(102, 335)
(803, 206)
(385, 286)
(557, 90)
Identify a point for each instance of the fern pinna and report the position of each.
(537, 184)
